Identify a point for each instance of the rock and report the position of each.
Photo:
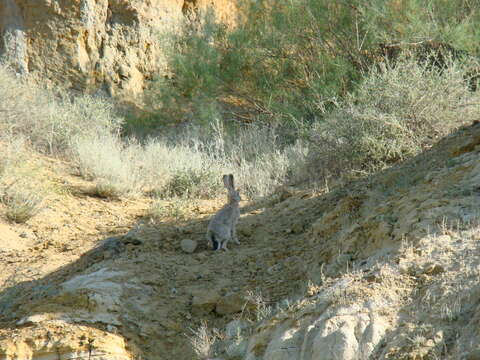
(67, 341)
(204, 302)
(99, 291)
(112, 246)
(230, 304)
(297, 228)
(188, 245)
(433, 269)
(236, 349)
(443, 238)
(348, 333)
(33, 319)
(92, 45)
(133, 237)
(234, 328)
(285, 343)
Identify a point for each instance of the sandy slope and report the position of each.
(382, 268)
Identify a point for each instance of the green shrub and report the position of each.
(287, 61)
(413, 21)
(277, 64)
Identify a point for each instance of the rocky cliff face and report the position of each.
(87, 45)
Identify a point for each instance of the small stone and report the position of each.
(33, 319)
(434, 269)
(297, 228)
(112, 329)
(443, 238)
(132, 237)
(205, 302)
(234, 328)
(230, 304)
(237, 350)
(246, 230)
(188, 245)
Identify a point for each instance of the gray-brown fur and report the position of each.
(222, 227)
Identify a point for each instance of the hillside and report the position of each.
(382, 268)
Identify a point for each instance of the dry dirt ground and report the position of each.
(394, 256)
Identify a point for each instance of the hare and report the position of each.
(222, 226)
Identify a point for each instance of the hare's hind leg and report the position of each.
(224, 245)
(216, 244)
(234, 234)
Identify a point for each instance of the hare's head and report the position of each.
(233, 195)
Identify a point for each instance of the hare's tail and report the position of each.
(211, 237)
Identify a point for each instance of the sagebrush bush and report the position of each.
(47, 120)
(114, 165)
(190, 163)
(191, 183)
(12, 152)
(176, 208)
(396, 112)
(180, 167)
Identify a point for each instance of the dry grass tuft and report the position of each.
(177, 209)
(20, 191)
(21, 204)
(202, 340)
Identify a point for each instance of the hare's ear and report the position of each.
(230, 177)
(226, 181)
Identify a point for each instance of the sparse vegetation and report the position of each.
(21, 204)
(49, 121)
(190, 164)
(302, 90)
(202, 341)
(115, 166)
(20, 191)
(284, 86)
(175, 208)
(396, 111)
(261, 307)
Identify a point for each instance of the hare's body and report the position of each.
(222, 227)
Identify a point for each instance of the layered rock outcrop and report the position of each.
(91, 45)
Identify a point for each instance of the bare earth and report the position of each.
(383, 268)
